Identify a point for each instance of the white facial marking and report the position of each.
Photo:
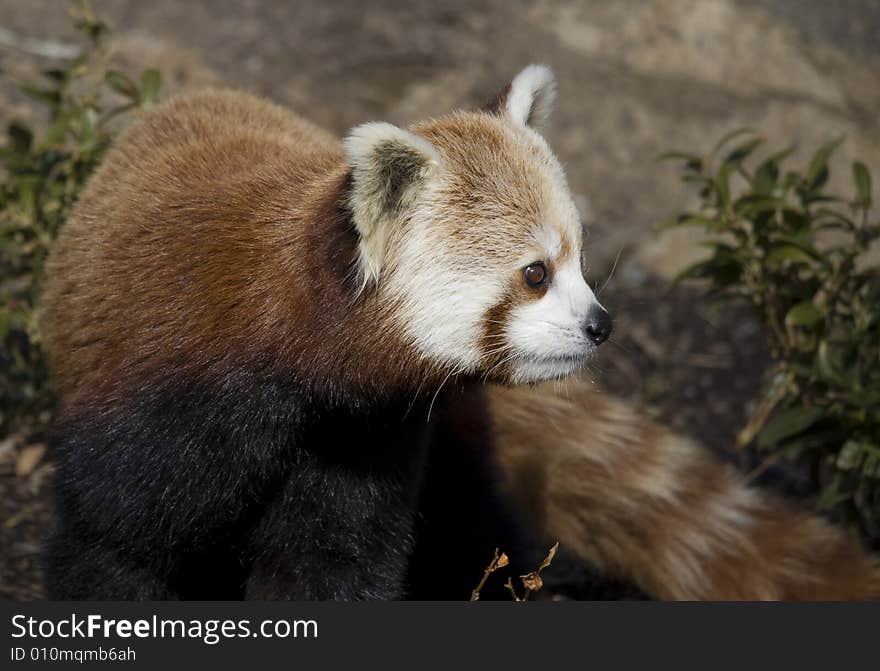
(547, 335)
(442, 308)
(549, 238)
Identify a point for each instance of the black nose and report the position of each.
(598, 326)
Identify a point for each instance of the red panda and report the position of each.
(275, 356)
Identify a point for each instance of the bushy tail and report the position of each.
(649, 506)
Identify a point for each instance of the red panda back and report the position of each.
(186, 247)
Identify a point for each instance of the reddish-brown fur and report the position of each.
(254, 271)
(649, 506)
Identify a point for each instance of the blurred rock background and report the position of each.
(635, 79)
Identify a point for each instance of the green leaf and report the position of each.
(48, 97)
(788, 423)
(822, 214)
(802, 239)
(735, 158)
(765, 178)
(723, 268)
(817, 172)
(722, 186)
(828, 363)
(121, 84)
(725, 139)
(788, 254)
(56, 75)
(58, 128)
(850, 455)
(797, 220)
(781, 155)
(832, 495)
(803, 314)
(767, 175)
(685, 220)
(693, 164)
(151, 80)
(864, 398)
(862, 179)
(88, 122)
(753, 204)
(871, 467)
(20, 136)
(79, 67)
(813, 188)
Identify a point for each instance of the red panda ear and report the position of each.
(389, 165)
(528, 99)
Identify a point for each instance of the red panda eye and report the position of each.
(535, 274)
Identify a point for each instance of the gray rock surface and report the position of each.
(635, 78)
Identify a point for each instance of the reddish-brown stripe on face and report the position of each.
(493, 340)
(494, 343)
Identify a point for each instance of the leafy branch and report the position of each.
(800, 256)
(43, 175)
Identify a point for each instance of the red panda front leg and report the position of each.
(332, 534)
(339, 524)
(644, 504)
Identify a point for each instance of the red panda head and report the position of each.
(466, 225)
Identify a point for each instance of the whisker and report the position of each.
(620, 345)
(611, 274)
(595, 368)
(455, 371)
(414, 398)
(503, 361)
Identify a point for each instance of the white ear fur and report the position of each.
(388, 165)
(530, 97)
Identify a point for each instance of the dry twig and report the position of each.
(498, 561)
(532, 582)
